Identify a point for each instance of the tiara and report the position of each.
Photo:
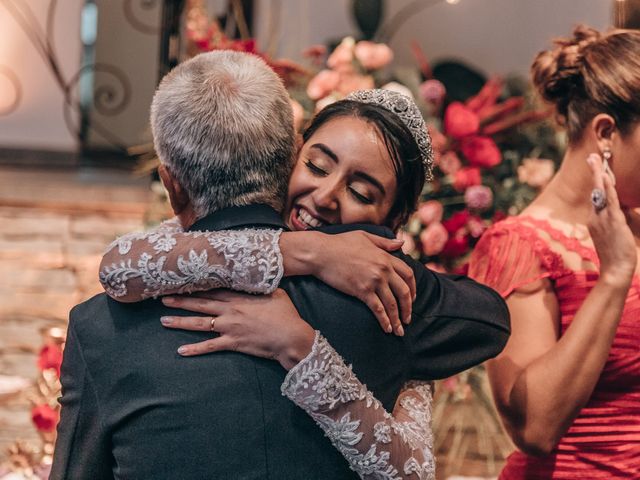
(406, 109)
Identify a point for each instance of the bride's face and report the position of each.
(344, 174)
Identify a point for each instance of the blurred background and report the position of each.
(76, 159)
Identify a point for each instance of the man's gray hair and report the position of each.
(223, 126)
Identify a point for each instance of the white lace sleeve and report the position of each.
(167, 260)
(377, 444)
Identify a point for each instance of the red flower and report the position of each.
(481, 152)
(50, 357)
(466, 177)
(460, 121)
(456, 246)
(456, 221)
(44, 418)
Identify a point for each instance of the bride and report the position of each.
(364, 160)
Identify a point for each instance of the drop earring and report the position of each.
(606, 156)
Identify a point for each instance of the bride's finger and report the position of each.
(595, 163)
(196, 304)
(217, 344)
(198, 324)
(610, 191)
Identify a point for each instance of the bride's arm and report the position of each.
(377, 444)
(168, 260)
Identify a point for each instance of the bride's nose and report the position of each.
(325, 196)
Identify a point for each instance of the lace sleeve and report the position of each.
(167, 260)
(376, 444)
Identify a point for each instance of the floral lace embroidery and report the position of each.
(246, 260)
(373, 441)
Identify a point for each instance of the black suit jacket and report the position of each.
(133, 409)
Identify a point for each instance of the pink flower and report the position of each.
(323, 84)
(350, 82)
(481, 152)
(430, 212)
(432, 91)
(341, 59)
(409, 245)
(433, 239)
(298, 114)
(449, 163)
(466, 177)
(478, 197)
(476, 226)
(536, 172)
(460, 121)
(373, 56)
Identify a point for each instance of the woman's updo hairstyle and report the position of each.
(591, 73)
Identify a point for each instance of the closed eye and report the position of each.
(314, 168)
(361, 198)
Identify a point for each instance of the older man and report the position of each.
(132, 408)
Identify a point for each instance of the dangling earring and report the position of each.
(606, 156)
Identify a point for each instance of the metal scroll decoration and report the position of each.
(112, 88)
(134, 21)
(8, 76)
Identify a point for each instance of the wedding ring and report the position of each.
(213, 323)
(598, 199)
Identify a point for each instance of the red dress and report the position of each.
(604, 439)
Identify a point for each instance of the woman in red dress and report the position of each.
(567, 385)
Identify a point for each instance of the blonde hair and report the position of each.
(591, 73)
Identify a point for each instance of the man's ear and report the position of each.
(177, 196)
(604, 127)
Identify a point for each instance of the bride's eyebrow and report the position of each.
(326, 150)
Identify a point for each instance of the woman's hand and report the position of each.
(266, 326)
(358, 264)
(610, 232)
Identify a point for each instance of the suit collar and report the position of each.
(257, 215)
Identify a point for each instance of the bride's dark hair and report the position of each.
(400, 144)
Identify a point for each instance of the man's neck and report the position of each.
(187, 218)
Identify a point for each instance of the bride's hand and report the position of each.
(611, 235)
(358, 264)
(266, 326)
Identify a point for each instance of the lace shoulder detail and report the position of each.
(512, 254)
(167, 260)
(377, 444)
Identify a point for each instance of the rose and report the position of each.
(341, 59)
(432, 91)
(459, 121)
(466, 177)
(50, 357)
(430, 212)
(449, 163)
(456, 246)
(476, 226)
(44, 418)
(373, 56)
(481, 152)
(536, 172)
(433, 238)
(350, 82)
(409, 245)
(478, 197)
(298, 114)
(457, 221)
(323, 84)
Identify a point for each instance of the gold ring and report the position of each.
(213, 323)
